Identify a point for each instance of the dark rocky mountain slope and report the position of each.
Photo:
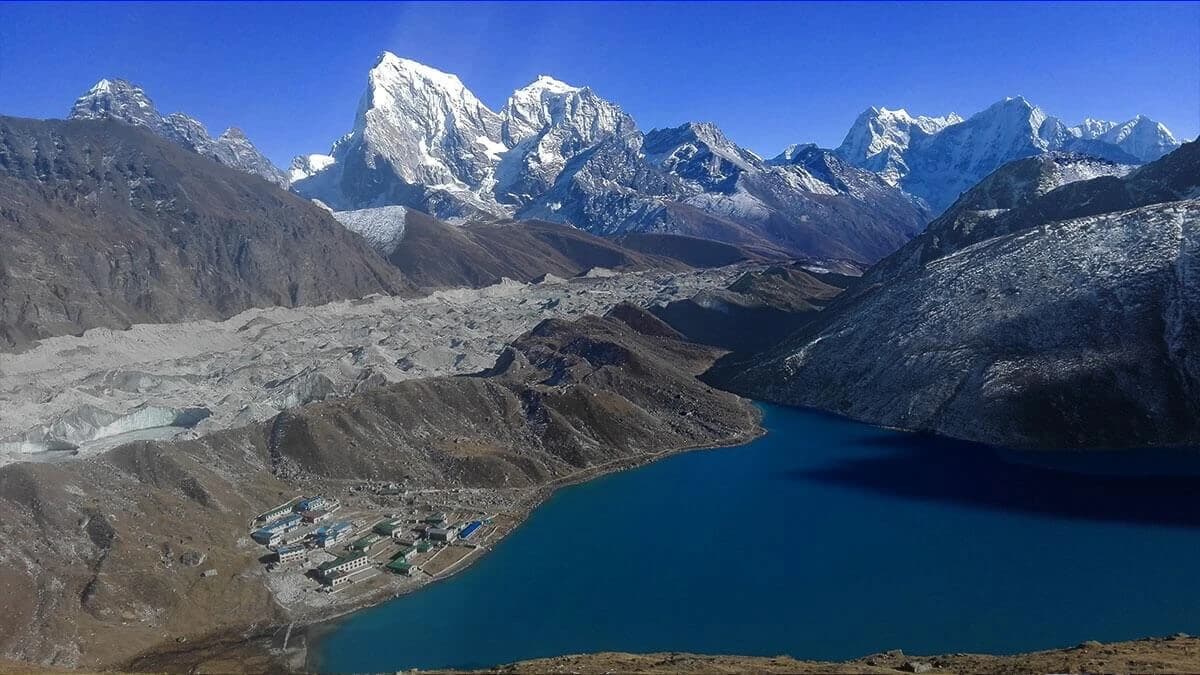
(565, 396)
(756, 311)
(435, 254)
(1069, 320)
(104, 224)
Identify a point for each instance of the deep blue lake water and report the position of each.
(825, 539)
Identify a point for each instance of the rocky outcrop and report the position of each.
(1176, 654)
(105, 224)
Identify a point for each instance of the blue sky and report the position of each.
(769, 74)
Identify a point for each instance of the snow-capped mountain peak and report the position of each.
(1092, 129)
(937, 158)
(546, 102)
(426, 124)
(1142, 137)
(547, 123)
(879, 137)
(697, 150)
(878, 129)
(1012, 114)
(393, 76)
(549, 83)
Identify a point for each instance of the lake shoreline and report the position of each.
(257, 644)
(306, 639)
(315, 631)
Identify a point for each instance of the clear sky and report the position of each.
(769, 74)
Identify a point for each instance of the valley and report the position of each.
(148, 540)
(563, 375)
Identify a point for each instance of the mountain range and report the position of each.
(562, 153)
(938, 158)
(1040, 311)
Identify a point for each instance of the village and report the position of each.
(333, 546)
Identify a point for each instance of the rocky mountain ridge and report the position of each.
(1047, 319)
(562, 153)
(126, 102)
(105, 224)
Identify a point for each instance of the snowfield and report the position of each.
(382, 227)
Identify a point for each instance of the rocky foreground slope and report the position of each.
(1179, 654)
(105, 224)
(101, 556)
(1068, 320)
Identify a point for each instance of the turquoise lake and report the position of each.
(825, 539)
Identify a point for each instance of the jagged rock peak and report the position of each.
(394, 75)
(878, 129)
(428, 126)
(117, 99)
(123, 101)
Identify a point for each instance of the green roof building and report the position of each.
(365, 543)
(386, 527)
(347, 564)
(400, 567)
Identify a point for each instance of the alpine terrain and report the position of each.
(1028, 315)
(561, 153)
(240, 401)
(935, 159)
(104, 224)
